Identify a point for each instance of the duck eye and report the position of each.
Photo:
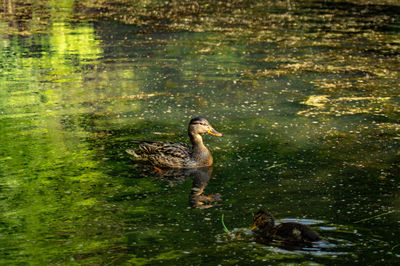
(200, 123)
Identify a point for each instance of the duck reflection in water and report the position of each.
(200, 177)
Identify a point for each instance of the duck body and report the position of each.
(295, 233)
(177, 154)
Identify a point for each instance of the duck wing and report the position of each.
(167, 154)
(295, 232)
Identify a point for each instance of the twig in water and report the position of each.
(273, 166)
(370, 218)
(223, 224)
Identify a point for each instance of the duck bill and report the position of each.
(254, 227)
(214, 132)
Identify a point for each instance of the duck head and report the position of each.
(200, 125)
(263, 222)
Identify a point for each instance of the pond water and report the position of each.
(310, 118)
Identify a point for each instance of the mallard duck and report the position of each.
(177, 154)
(296, 233)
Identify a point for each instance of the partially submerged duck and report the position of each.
(294, 233)
(177, 154)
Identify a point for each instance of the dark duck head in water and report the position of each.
(177, 154)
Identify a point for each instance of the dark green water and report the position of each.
(311, 122)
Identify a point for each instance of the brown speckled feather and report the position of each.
(171, 154)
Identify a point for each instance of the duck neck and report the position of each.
(200, 153)
(197, 142)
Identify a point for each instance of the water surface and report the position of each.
(310, 117)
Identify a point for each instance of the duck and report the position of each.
(177, 154)
(290, 232)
